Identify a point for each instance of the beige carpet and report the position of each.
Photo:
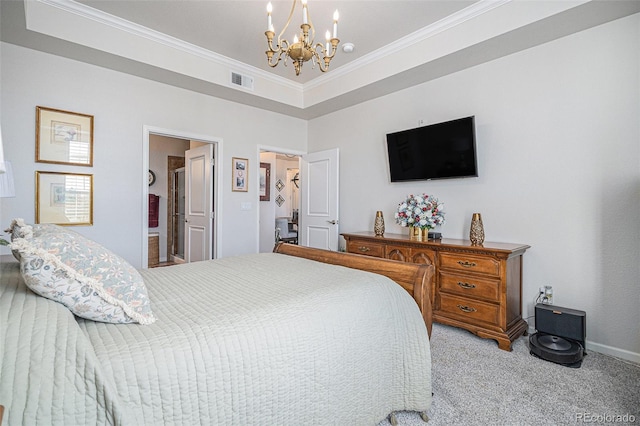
(475, 383)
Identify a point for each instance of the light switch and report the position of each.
(245, 206)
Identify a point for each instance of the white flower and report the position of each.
(420, 210)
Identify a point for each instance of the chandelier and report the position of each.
(302, 48)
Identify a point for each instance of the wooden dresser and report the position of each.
(478, 288)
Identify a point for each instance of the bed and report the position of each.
(299, 336)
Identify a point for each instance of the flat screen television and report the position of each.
(437, 151)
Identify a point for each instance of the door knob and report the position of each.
(333, 222)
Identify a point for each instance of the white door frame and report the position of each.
(275, 150)
(217, 177)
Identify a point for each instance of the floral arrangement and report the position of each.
(422, 211)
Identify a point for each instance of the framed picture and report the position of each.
(240, 178)
(265, 181)
(64, 198)
(64, 137)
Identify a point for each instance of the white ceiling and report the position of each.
(235, 29)
(196, 44)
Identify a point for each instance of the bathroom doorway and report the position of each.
(167, 151)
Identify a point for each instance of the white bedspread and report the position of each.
(263, 339)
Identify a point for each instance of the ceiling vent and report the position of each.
(242, 80)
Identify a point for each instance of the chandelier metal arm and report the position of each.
(303, 50)
(281, 49)
(293, 7)
(327, 56)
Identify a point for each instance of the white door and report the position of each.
(198, 203)
(318, 222)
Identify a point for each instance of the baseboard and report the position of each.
(616, 352)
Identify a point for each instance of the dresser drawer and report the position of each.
(469, 310)
(476, 288)
(366, 248)
(470, 286)
(470, 263)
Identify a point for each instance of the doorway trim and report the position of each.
(171, 202)
(218, 171)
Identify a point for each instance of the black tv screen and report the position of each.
(438, 151)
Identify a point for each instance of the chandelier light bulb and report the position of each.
(269, 10)
(305, 17)
(328, 37)
(303, 48)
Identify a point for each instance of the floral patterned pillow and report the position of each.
(87, 278)
(19, 229)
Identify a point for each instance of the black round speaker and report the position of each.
(556, 349)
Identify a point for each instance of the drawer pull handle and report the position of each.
(466, 264)
(466, 285)
(364, 249)
(466, 309)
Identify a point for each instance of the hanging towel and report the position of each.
(154, 208)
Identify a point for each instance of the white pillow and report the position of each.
(87, 278)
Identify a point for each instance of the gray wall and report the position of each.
(122, 105)
(559, 161)
(558, 143)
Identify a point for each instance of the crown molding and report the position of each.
(458, 18)
(476, 9)
(137, 30)
(351, 83)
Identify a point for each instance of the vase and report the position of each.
(378, 224)
(476, 233)
(418, 234)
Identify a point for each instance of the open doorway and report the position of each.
(163, 238)
(279, 210)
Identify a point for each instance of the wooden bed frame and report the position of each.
(415, 278)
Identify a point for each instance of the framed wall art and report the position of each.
(64, 137)
(64, 198)
(240, 178)
(265, 181)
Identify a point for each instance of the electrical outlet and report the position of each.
(547, 298)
